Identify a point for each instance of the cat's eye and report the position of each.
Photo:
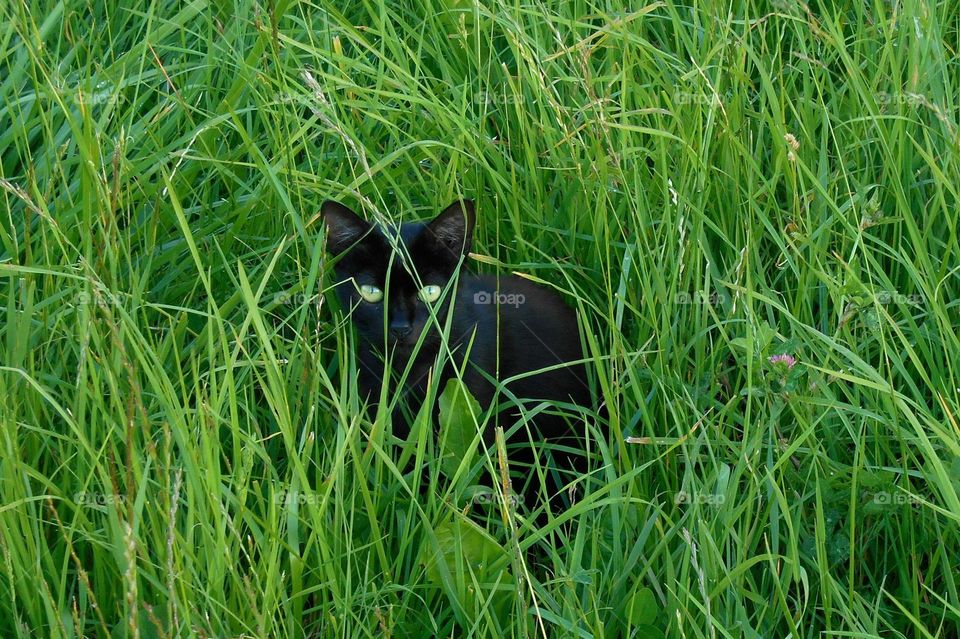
(430, 293)
(371, 293)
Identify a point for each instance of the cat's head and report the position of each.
(389, 287)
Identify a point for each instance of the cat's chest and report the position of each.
(467, 351)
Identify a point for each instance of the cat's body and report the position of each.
(505, 326)
(530, 329)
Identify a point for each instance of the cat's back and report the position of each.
(521, 302)
(536, 327)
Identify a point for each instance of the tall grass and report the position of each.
(711, 185)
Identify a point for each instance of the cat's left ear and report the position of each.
(453, 228)
(344, 227)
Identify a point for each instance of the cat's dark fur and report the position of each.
(531, 328)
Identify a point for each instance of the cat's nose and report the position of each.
(400, 330)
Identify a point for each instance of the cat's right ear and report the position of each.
(344, 227)
(452, 230)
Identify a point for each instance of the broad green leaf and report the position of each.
(460, 416)
(642, 608)
(470, 565)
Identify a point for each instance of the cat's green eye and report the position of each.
(430, 293)
(371, 293)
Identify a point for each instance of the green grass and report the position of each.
(181, 447)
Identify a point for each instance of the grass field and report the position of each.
(713, 186)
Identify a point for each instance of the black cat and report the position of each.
(503, 326)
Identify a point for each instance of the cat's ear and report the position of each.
(344, 227)
(453, 228)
